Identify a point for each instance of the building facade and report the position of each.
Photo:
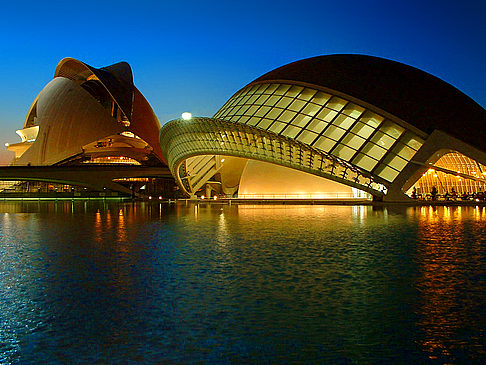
(351, 125)
(90, 123)
(89, 115)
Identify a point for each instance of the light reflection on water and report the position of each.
(94, 281)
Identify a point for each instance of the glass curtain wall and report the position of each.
(327, 122)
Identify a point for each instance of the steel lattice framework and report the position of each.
(181, 139)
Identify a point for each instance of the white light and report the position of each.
(222, 160)
(186, 116)
(202, 196)
(6, 144)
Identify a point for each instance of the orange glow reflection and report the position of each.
(121, 230)
(98, 227)
(444, 256)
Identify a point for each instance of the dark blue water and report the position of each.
(90, 282)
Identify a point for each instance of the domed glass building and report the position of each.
(338, 126)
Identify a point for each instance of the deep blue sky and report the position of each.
(193, 55)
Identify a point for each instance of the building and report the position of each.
(89, 115)
(338, 126)
(94, 125)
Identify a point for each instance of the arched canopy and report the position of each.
(181, 139)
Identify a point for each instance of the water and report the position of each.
(94, 282)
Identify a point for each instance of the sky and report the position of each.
(194, 55)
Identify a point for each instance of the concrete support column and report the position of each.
(208, 191)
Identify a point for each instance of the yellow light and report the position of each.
(215, 197)
(186, 116)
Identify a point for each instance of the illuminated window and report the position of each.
(262, 111)
(307, 94)
(386, 172)
(297, 105)
(265, 123)
(282, 89)
(320, 98)
(272, 100)
(284, 102)
(336, 103)
(353, 141)
(294, 91)
(334, 132)
(317, 126)
(311, 109)
(343, 152)
(371, 119)
(343, 121)
(277, 127)
(392, 129)
(261, 100)
(362, 130)
(324, 144)
(326, 114)
(353, 110)
(301, 120)
(113, 160)
(271, 88)
(374, 151)
(291, 131)
(322, 119)
(382, 140)
(287, 116)
(307, 137)
(365, 162)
